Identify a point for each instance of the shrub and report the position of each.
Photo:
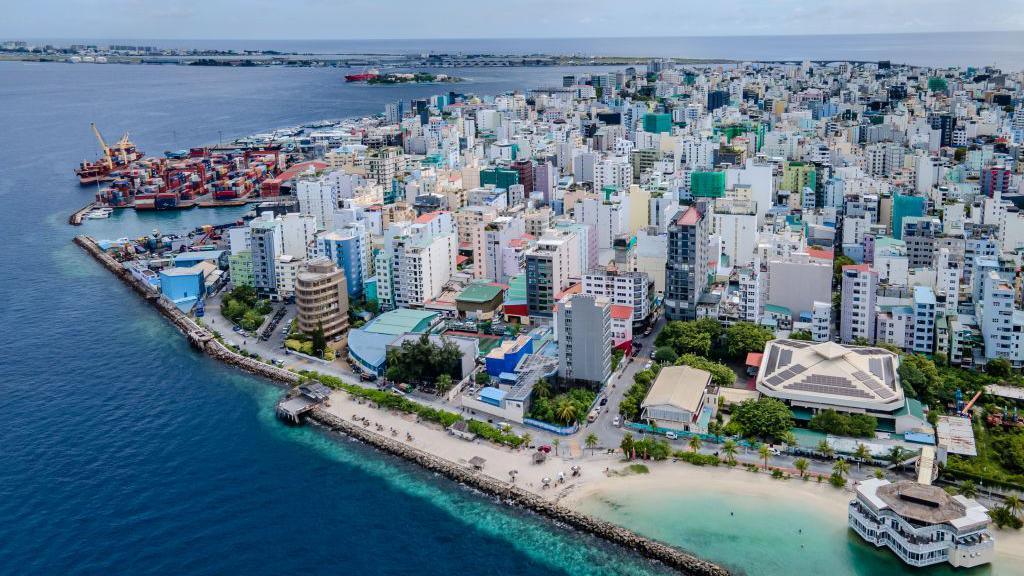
(836, 480)
(777, 473)
(696, 458)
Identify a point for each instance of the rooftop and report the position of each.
(678, 386)
(479, 292)
(830, 373)
(401, 321)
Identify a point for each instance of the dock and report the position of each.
(76, 218)
(304, 398)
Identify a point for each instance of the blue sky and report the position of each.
(351, 19)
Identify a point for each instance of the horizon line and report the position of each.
(414, 39)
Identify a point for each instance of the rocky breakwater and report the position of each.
(667, 555)
(199, 336)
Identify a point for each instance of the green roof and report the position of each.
(400, 321)
(479, 292)
(776, 309)
(912, 407)
(516, 289)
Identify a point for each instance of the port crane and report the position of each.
(107, 154)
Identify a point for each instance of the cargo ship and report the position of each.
(121, 154)
(363, 77)
(178, 180)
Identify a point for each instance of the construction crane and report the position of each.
(107, 154)
(967, 408)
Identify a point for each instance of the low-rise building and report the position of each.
(681, 398)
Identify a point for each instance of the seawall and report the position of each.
(202, 339)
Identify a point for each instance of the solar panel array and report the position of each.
(834, 385)
(784, 375)
(773, 358)
(801, 344)
(882, 391)
(785, 358)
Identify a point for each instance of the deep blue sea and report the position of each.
(124, 452)
(1003, 49)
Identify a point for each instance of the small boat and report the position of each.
(98, 213)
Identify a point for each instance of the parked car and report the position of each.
(367, 377)
(616, 421)
(604, 400)
(671, 435)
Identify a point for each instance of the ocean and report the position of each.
(1002, 49)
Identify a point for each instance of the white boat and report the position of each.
(98, 213)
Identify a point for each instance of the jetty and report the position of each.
(309, 401)
(78, 215)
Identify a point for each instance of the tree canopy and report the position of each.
(721, 375)
(766, 419)
(420, 360)
(744, 337)
(832, 422)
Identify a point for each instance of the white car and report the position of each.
(616, 421)
(671, 435)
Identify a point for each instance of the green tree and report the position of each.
(919, 377)
(896, 456)
(527, 438)
(729, 449)
(800, 335)
(764, 452)
(319, 341)
(1009, 449)
(721, 375)
(879, 473)
(1013, 504)
(665, 355)
(565, 411)
(801, 464)
(767, 419)
(837, 269)
(841, 468)
(627, 444)
(967, 489)
(694, 443)
(591, 442)
(542, 389)
(861, 454)
(444, 383)
(554, 443)
(744, 337)
(483, 378)
(999, 367)
(826, 449)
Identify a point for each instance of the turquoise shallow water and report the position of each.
(761, 537)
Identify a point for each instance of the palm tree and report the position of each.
(967, 489)
(565, 411)
(764, 452)
(694, 443)
(627, 444)
(861, 454)
(826, 449)
(1013, 504)
(801, 465)
(444, 383)
(841, 467)
(729, 449)
(526, 439)
(542, 389)
(555, 443)
(896, 456)
(591, 442)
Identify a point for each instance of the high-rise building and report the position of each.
(549, 265)
(349, 249)
(717, 99)
(384, 164)
(584, 335)
(633, 289)
(265, 244)
(857, 310)
(903, 206)
(321, 298)
(686, 267)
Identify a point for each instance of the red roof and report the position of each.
(688, 218)
(820, 253)
(754, 358)
(460, 259)
(622, 311)
(859, 268)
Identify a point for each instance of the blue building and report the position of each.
(183, 286)
(347, 249)
(903, 206)
(504, 358)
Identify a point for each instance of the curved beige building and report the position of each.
(321, 295)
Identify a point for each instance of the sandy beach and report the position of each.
(672, 479)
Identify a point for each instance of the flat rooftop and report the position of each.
(955, 434)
